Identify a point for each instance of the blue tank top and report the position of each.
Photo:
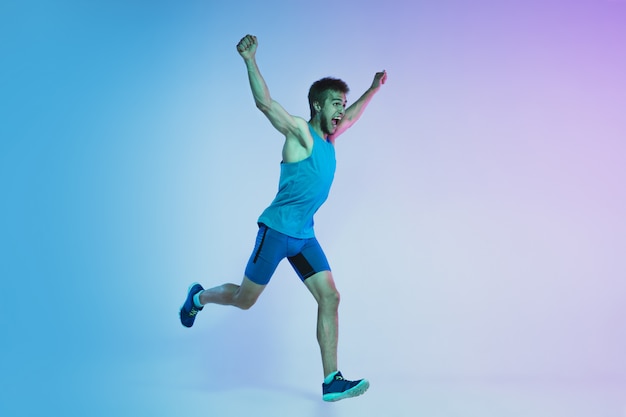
(303, 187)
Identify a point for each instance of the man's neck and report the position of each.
(315, 124)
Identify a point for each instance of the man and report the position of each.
(286, 226)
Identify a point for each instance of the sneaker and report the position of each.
(189, 310)
(340, 388)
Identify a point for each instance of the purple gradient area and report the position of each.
(476, 226)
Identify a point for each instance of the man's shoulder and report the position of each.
(303, 125)
(302, 131)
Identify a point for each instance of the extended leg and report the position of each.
(335, 387)
(322, 286)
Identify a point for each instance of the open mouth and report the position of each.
(336, 121)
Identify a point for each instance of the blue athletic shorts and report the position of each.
(305, 255)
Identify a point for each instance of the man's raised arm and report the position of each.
(277, 115)
(354, 112)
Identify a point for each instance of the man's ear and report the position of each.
(316, 106)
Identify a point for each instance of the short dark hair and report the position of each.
(320, 88)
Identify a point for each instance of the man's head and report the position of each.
(327, 100)
(320, 91)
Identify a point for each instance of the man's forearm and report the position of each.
(354, 112)
(257, 85)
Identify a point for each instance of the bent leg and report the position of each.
(243, 296)
(261, 266)
(322, 286)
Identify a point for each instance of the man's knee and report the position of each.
(247, 294)
(330, 298)
(245, 302)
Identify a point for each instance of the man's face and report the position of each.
(332, 111)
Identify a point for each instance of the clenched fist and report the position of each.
(379, 79)
(247, 46)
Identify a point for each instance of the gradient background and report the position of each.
(476, 228)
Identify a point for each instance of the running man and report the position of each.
(286, 226)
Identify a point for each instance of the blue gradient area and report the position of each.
(476, 226)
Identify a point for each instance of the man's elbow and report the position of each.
(264, 107)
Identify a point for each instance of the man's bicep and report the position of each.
(284, 122)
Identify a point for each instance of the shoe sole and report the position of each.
(355, 391)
